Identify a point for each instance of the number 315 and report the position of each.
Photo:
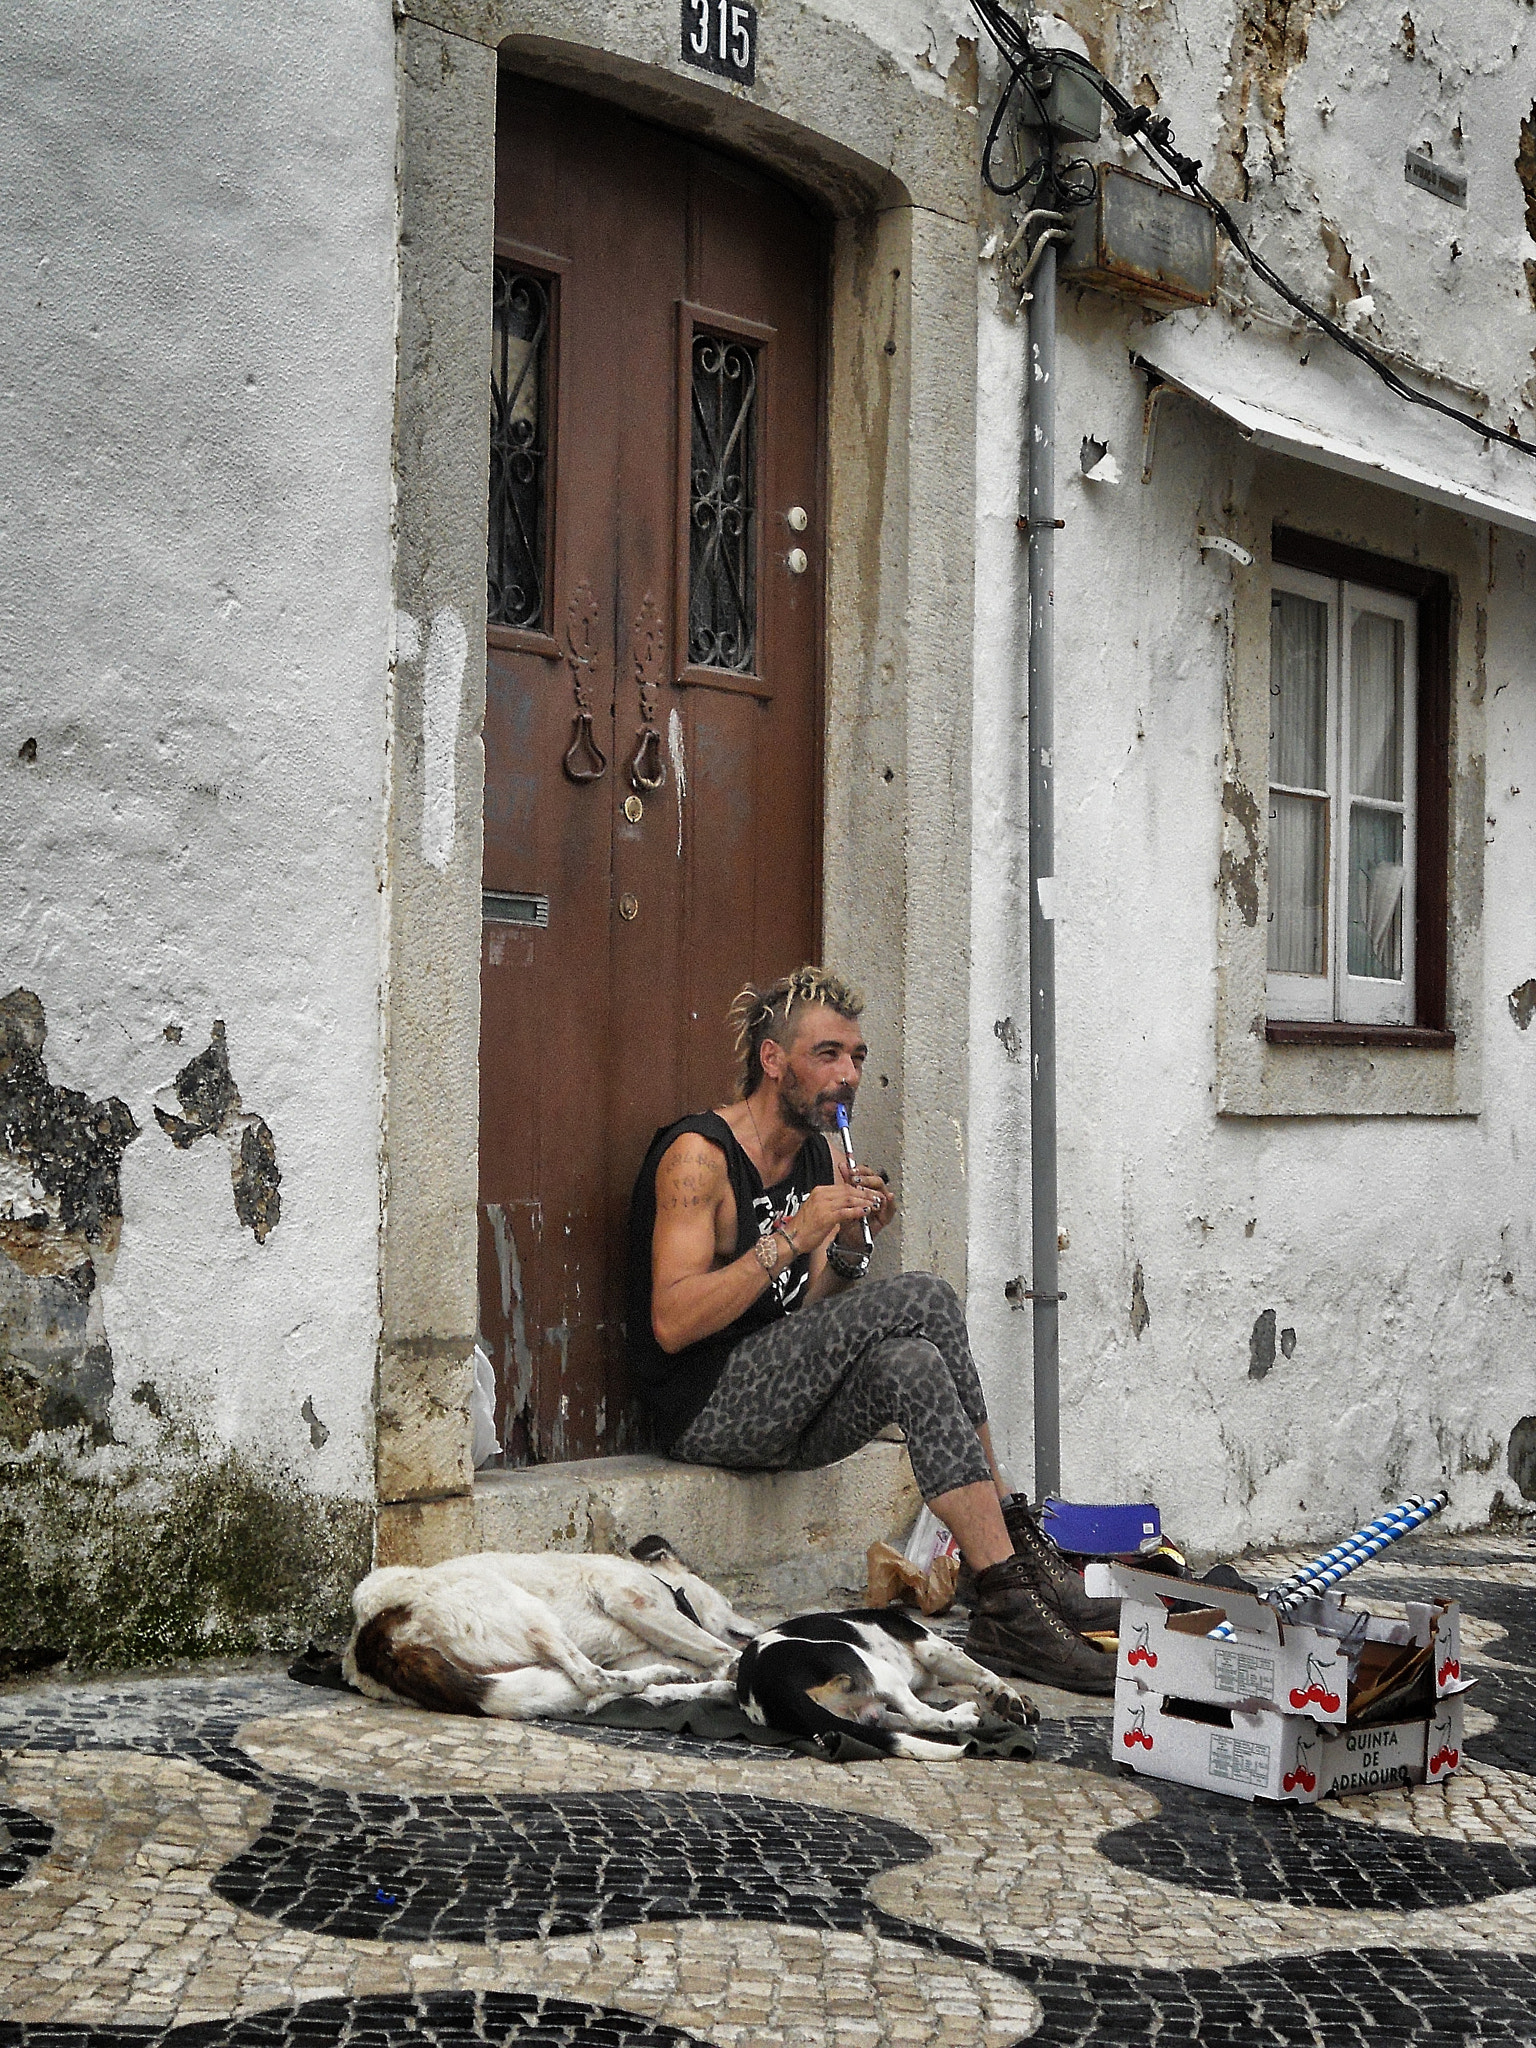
(733, 36)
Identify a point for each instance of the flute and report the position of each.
(842, 1131)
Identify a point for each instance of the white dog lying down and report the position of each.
(557, 1633)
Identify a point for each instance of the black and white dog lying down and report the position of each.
(555, 1633)
(862, 1673)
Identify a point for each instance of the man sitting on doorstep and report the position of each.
(757, 1342)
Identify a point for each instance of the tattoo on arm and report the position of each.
(689, 1179)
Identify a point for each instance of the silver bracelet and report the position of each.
(847, 1265)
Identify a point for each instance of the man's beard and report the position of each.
(811, 1115)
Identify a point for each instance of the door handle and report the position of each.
(647, 650)
(584, 759)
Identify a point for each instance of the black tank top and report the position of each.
(675, 1385)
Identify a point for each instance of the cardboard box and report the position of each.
(1299, 1666)
(1265, 1754)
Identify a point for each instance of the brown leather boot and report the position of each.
(1015, 1633)
(1059, 1582)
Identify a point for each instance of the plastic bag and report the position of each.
(929, 1540)
(482, 1412)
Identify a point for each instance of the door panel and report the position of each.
(609, 1019)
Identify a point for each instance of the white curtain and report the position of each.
(1298, 691)
(1376, 707)
(1298, 760)
(1375, 893)
(1376, 770)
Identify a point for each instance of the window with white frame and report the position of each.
(1343, 778)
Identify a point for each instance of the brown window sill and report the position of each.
(1414, 1036)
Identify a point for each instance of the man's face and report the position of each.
(821, 1067)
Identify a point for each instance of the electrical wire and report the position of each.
(1153, 136)
(1061, 187)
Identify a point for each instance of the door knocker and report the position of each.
(646, 769)
(585, 760)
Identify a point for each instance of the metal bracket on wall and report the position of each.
(1156, 391)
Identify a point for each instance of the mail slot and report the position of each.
(510, 906)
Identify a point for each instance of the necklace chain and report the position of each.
(762, 1148)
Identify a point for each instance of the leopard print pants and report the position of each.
(812, 1387)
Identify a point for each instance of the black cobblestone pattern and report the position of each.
(1304, 1856)
(510, 1867)
(1342, 1998)
(1339, 1998)
(194, 1718)
(432, 2019)
(23, 1838)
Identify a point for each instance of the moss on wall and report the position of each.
(115, 1565)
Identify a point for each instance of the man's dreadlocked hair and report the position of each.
(760, 1013)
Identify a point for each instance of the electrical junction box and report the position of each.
(1074, 104)
(1143, 240)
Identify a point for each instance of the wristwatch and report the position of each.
(766, 1252)
(847, 1265)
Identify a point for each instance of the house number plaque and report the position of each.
(721, 36)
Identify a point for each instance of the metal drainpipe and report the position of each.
(1040, 525)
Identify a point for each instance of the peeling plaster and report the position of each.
(1525, 171)
(1522, 1004)
(207, 1105)
(1141, 1315)
(1522, 1456)
(319, 1435)
(60, 1224)
(1261, 1346)
(679, 768)
(514, 1320)
(1269, 44)
(1239, 872)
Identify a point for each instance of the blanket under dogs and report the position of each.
(709, 1721)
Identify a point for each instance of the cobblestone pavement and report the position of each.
(222, 1862)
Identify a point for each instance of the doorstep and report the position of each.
(787, 1537)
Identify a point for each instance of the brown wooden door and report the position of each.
(653, 739)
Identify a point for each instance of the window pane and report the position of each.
(1376, 707)
(1298, 861)
(519, 386)
(1298, 691)
(1375, 893)
(722, 547)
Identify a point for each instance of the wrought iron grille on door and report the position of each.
(722, 511)
(519, 502)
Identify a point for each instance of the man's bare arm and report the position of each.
(692, 1296)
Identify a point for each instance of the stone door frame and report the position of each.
(895, 164)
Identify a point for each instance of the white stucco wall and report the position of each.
(198, 283)
(1399, 1249)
